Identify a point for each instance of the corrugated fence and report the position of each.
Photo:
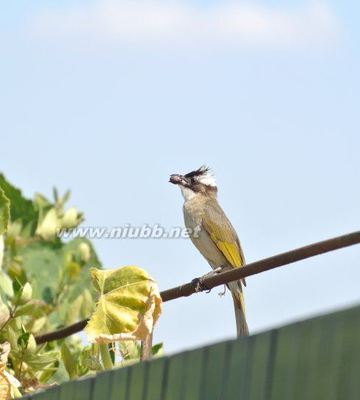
(314, 359)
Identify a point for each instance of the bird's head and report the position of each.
(198, 182)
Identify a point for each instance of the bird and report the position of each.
(212, 233)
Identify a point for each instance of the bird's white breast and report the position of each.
(187, 193)
(193, 213)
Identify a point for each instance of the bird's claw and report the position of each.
(221, 294)
(199, 285)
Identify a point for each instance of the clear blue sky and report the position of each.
(109, 98)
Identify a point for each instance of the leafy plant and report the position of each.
(45, 284)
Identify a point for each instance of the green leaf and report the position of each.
(38, 324)
(72, 269)
(41, 361)
(130, 349)
(35, 308)
(69, 361)
(49, 226)
(72, 250)
(14, 229)
(17, 287)
(48, 295)
(66, 196)
(6, 286)
(89, 361)
(45, 265)
(41, 202)
(31, 345)
(85, 251)
(12, 337)
(128, 306)
(23, 340)
(20, 207)
(73, 312)
(157, 350)
(55, 194)
(4, 211)
(26, 294)
(88, 304)
(71, 218)
(48, 373)
(42, 262)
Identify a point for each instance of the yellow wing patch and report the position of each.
(230, 251)
(222, 234)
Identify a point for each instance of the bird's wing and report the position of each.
(222, 233)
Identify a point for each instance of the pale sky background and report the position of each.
(108, 98)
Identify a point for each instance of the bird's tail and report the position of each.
(239, 308)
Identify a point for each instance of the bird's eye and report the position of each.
(193, 180)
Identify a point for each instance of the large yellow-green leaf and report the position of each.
(128, 307)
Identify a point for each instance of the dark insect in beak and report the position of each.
(176, 179)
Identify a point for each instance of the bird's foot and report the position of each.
(199, 282)
(199, 285)
(221, 294)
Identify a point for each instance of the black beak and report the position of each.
(176, 179)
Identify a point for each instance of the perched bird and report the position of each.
(212, 233)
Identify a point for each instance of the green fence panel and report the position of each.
(282, 381)
(248, 367)
(155, 379)
(136, 384)
(311, 358)
(215, 359)
(119, 383)
(301, 371)
(174, 384)
(237, 375)
(84, 388)
(260, 366)
(317, 359)
(349, 371)
(306, 367)
(193, 374)
(68, 390)
(329, 358)
(101, 387)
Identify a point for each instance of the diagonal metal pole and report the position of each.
(210, 282)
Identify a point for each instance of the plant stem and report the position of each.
(11, 316)
(105, 356)
(146, 346)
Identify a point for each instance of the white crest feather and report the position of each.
(207, 178)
